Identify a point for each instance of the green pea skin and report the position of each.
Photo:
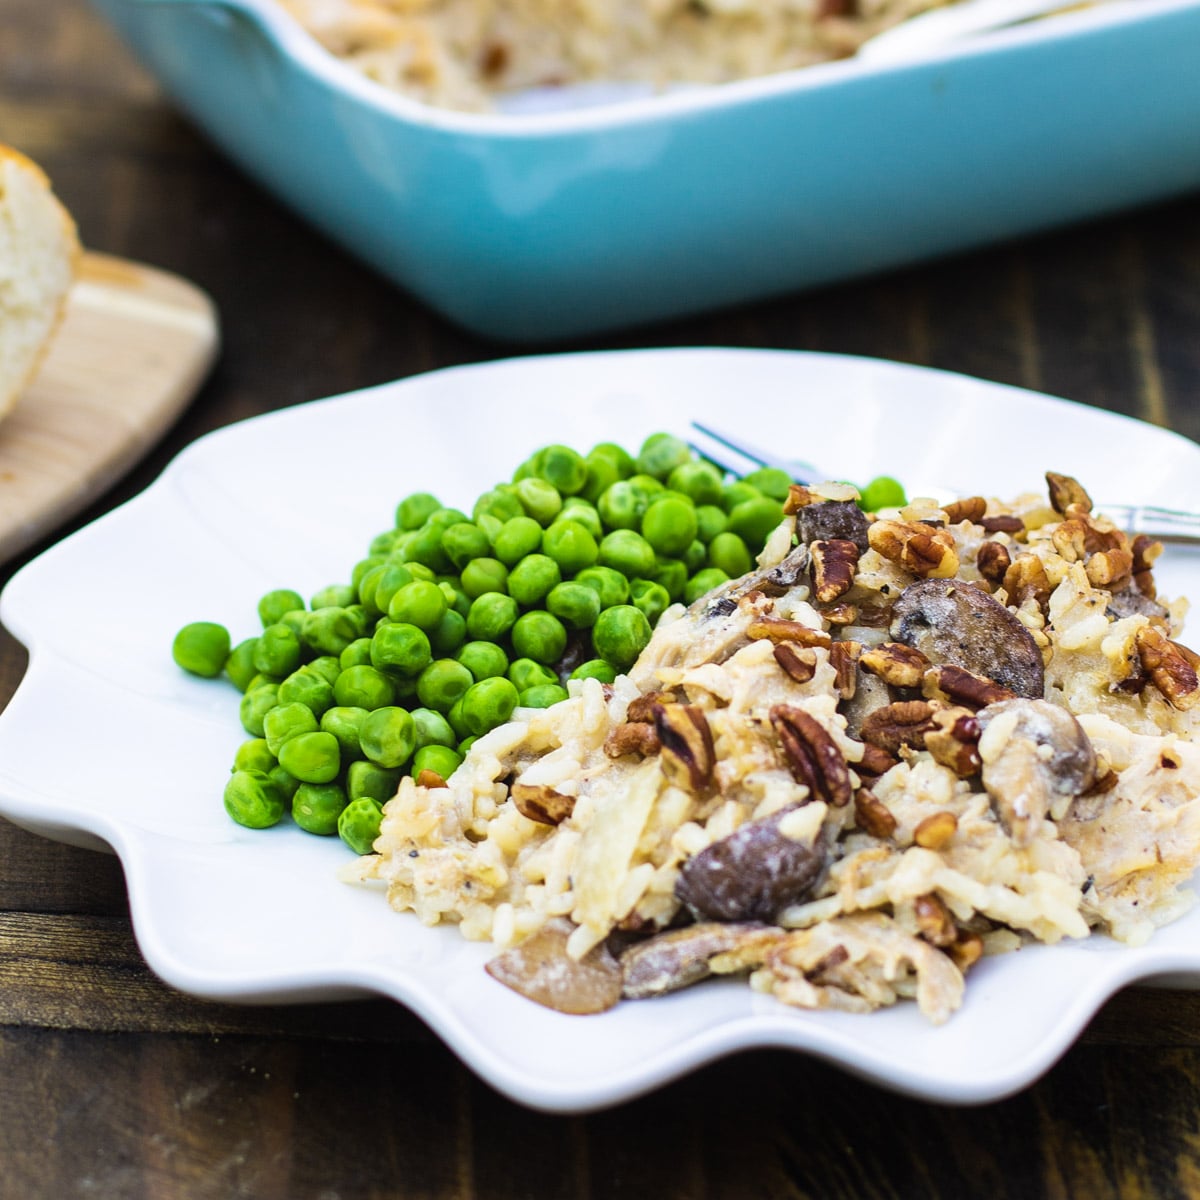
(882, 492)
(431, 728)
(770, 481)
(388, 736)
(487, 704)
(286, 721)
(595, 668)
(275, 604)
(457, 599)
(661, 453)
(414, 510)
(611, 586)
(622, 505)
(443, 682)
(755, 520)
(286, 783)
(539, 635)
(576, 508)
(500, 503)
(371, 780)
(379, 588)
(355, 654)
(629, 553)
(671, 574)
(254, 706)
(563, 468)
(540, 500)
(361, 569)
(363, 687)
(532, 578)
(483, 659)
(525, 673)
(252, 799)
(307, 687)
(254, 755)
(420, 603)
(358, 824)
(670, 525)
(728, 553)
(326, 666)
(543, 695)
(311, 757)
(736, 492)
(617, 455)
(345, 722)
(335, 595)
(449, 635)
(201, 648)
(443, 761)
(492, 615)
(620, 635)
(426, 548)
(463, 542)
(402, 648)
(317, 806)
(484, 575)
(575, 604)
(330, 630)
(602, 473)
(516, 538)
(650, 597)
(699, 481)
(571, 545)
(703, 582)
(239, 666)
(710, 520)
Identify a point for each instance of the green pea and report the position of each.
(239, 666)
(728, 552)
(628, 552)
(400, 647)
(670, 525)
(755, 520)
(368, 779)
(363, 687)
(442, 682)
(261, 680)
(330, 630)
(595, 668)
(285, 782)
(661, 453)
(414, 510)
(516, 538)
(464, 747)
(770, 481)
(273, 605)
(455, 717)
(254, 755)
(463, 542)
(388, 736)
(539, 499)
(571, 545)
(525, 673)
(488, 703)
(345, 723)
(421, 571)
(327, 666)
(576, 508)
(671, 574)
(426, 548)
(254, 706)
(335, 595)
(652, 598)
(882, 492)
(384, 543)
(384, 585)
(201, 648)
(532, 578)
(317, 806)
(355, 654)
(618, 456)
(736, 492)
(622, 505)
(450, 633)
(456, 598)
(307, 687)
(575, 604)
(561, 467)
(501, 503)
(484, 575)
(361, 569)
(253, 799)
(443, 761)
(311, 757)
(294, 620)
(611, 586)
(700, 482)
(483, 659)
(703, 582)
(358, 824)
(420, 603)
(539, 635)
(602, 473)
(710, 520)
(543, 695)
(492, 615)
(286, 721)
(620, 635)
(431, 729)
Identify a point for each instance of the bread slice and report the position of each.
(39, 256)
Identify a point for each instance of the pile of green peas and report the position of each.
(452, 621)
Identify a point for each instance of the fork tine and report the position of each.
(727, 445)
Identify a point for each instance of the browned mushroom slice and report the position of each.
(681, 957)
(832, 519)
(951, 621)
(1130, 602)
(541, 970)
(1036, 759)
(750, 875)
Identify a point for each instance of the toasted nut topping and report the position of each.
(904, 723)
(834, 563)
(541, 803)
(1003, 523)
(688, 757)
(1066, 493)
(934, 921)
(873, 816)
(840, 614)
(1145, 552)
(875, 761)
(964, 687)
(1110, 568)
(970, 509)
(634, 737)
(843, 656)
(955, 741)
(812, 755)
(993, 561)
(1168, 667)
(826, 963)
(799, 664)
(430, 779)
(799, 497)
(895, 663)
(935, 832)
(641, 708)
(1027, 578)
(917, 546)
(779, 629)
(967, 950)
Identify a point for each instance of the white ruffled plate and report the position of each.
(107, 743)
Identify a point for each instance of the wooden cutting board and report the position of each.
(129, 355)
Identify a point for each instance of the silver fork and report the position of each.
(739, 457)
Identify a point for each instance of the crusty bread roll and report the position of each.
(39, 255)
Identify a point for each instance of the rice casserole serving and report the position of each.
(907, 740)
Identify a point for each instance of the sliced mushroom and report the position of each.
(951, 621)
(832, 519)
(750, 875)
(541, 970)
(680, 957)
(1036, 759)
(1130, 602)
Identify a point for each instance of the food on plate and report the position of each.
(39, 253)
(902, 741)
(464, 54)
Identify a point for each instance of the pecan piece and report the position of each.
(834, 563)
(954, 742)
(873, 816)
(1169, 667)
(812, 755)
(934, 921)
(1067, 493)
(780, 629)
(993, 561)
(1146, 551)
(840, 614)
(430, 779)
(843, 656)
(1002, 523)
(1110, 569)
(641, 708)
(964, 687)
(1027, 578)
(875, 761)
(541, 803)
(970, 509)
(687, 755)
(634, 737)
(904, 723)
(896, 664)
(917, 546)
(967, 950)
(798, 664)
(936, 830)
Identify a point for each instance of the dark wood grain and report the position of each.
(114, 1085)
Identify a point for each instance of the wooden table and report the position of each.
(112, 1085)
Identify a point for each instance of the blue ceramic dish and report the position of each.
(562, 225)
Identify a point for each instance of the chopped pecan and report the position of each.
(826, 963)
(993, 561)
(1027, 578)
(1146, 551)
(904, 723)
(1003, 523)
(634, 737)
(936, 830)
(934, 921)
(840, 614)
(641, 708)
(967, 950)
(812, 755)
(955, 741)
(541, 803)
(1169, 667)
(799, 497)
(970, 509)
(896, 664)
(799, 664)
(780, 629)
(1067, 493)
(873, 816)
(875, 761)
(1110, 569)
(964, 687)
(917, 546)
(688, 757)
(843, 656)
(430, 779)
(834, 563)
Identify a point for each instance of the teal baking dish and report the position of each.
(562, 225)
